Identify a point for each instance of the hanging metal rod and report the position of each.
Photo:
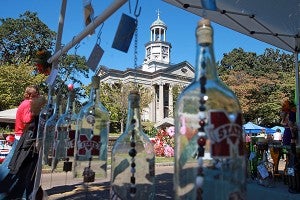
(91, 27)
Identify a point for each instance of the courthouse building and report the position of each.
(156, 73)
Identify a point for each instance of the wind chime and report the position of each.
(91, 137)
(133, 155)
(64, 129)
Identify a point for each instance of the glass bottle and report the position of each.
(91, 138)
(45, 114)
(209, 158)
(49, 132)
(62, 131)
(133, 158)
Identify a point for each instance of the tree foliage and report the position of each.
(259, 81)
(13, 81)
(115, 98)
(21, 38)
(72, 70)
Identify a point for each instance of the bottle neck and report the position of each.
(50, 99)
(56, 106)
(69, 107)
(205, 63)
(133, 114)
(93, 95)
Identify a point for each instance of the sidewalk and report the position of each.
(61, 186)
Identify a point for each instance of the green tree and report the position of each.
(21, 38)
(72, 70)
(115, 98)
(13, 81)
(259, 81)
(176, 90)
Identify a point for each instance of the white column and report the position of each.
(171, 114)
(161, 102)
(152, 106)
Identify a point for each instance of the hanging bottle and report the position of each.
(49, 132)
(62, 142)
(209, 157)
(45, 114)
(133, 158)
(91, 138)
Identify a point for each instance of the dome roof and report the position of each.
(158, 22)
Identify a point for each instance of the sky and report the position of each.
(180, 30)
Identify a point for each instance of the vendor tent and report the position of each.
(253, 128)
(8, 116)
(278, 127)
(276, 22)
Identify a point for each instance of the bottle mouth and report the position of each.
(204, 32)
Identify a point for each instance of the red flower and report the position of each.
(164, 143)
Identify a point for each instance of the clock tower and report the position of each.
(158, 49)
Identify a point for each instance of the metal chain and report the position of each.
(136, 45)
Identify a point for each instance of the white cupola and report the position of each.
(158, 49)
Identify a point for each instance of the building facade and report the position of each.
(157, 73)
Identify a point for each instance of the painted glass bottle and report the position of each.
(49, 132)
(91, 138)
(133, 158)
(209, 153)
(63, 127)
(45, 114)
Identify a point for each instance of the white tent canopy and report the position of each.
(276, 22)
(8, 116)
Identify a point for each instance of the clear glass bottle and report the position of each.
(45, 114)
(49, 132)
(62, 131)
(209, 153)
(91, 137)
(133, 159)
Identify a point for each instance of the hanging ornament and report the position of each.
(41, 62)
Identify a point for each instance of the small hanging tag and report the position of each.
(124, 33)
(67, 167)
(88, 175)
(50, 80)
(95, 57)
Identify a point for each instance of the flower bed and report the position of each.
(164, 142)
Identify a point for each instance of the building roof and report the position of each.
(158, 22)
(181, 73)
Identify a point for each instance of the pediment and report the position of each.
(181, 69)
